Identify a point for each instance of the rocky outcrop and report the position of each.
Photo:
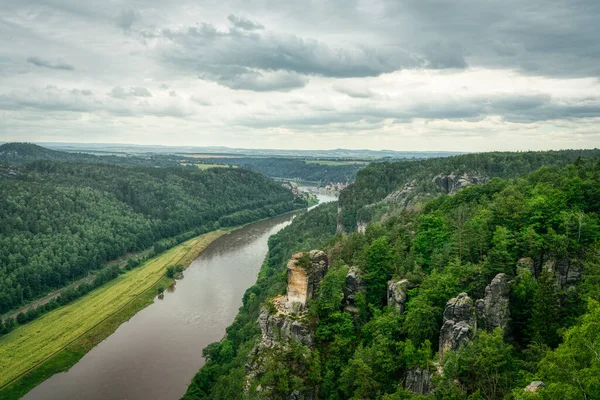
(304, 273)
(535, 386)
(397, 293)
(354, 285)
(361, 226)
(340, 220)
(493, 310)
(279, 327)
(283, 319)
(402, 196)
(419, 381)
(452, 183)
(567, 272)
(460, 323)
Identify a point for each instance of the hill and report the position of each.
(22, 153)
(59, 220)
(413, 181)
(475, 294)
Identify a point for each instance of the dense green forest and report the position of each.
(529, 228)
(294, 168)
(60, 220)
(376, 181)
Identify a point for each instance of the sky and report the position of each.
(456, 75)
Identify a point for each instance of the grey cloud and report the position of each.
(49, 98)
(126, 19)
(200, 101)
(244, 23)
(52, 98)
(119, 93)
(557, 38)
(358, 93)
(240, 78)
(246, 60)
(521, 109)
(39, 62)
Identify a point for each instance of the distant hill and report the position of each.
(222, 150)
(22, 153)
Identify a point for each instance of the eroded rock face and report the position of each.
(419, 381)
(452, 183)
(354, 285)
(460, 323)
(493, 310)
(568, 273)
(535, 386)
(283, 321)
(340, 220)
(397, 293)
(303, 280)
(281, 327)
(402, 196)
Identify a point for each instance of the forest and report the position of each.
(537, 232)
(293, 168)
(61, 220)
(377, 180)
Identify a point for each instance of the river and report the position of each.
(156, 353)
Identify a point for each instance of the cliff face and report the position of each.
(354, 285)
(397, 294)
(460, 323)
(452, 183)
(283, 321)
(493, 310)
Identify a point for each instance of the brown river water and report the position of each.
(156, 353)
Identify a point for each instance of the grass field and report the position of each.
(34, 351)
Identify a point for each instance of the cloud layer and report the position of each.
(497, 74)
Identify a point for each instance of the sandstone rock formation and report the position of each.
(397, 293)
(452, 183)
(402, 196)
(460, 323)
(419, 381)
(535, 386)
(567, 272)
(493, 310)
(354, 285)
(282, 321)
(303, 280)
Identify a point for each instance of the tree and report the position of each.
(378, 270)
(485, 365)
(544, 314)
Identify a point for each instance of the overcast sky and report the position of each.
(462, 75)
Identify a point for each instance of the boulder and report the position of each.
(460, 323)
(535, 386)
(397, 293)
(354, 285)
(419, 381)
(493, 310)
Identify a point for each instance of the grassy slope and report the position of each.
(56, 341)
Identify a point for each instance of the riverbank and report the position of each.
(53, 343)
